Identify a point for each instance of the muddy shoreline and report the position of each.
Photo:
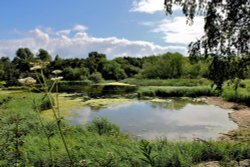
(240, 115)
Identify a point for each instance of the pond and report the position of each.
(96, 90)
(173, 119)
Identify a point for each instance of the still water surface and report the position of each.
(171, 119)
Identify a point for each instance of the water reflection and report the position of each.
(175, 119)
(174, 103)
(96, 90)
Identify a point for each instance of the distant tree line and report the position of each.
(97, 67)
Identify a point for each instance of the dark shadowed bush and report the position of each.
(46, 104)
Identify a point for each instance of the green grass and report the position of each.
(98, 144)
(168, 82)
(170, 91)
(242, 95)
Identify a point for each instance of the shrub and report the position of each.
(103, 126)
(96, 77)
(46, 104)
(242, 95)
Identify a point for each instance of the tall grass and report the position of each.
(241, 95)
(166, 91)
(167, 82)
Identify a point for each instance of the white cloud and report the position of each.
(176, 30)
(40, 36)
(63, 32)
(80, 27)
(149, 6)
(76, 42)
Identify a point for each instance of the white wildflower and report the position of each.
(57, 78)
(57, 72)
(37, 67)
(27, 81)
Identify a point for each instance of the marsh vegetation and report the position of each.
(153, 116)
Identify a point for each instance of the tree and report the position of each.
(8, 72)
(131, 66)
(23, 59)
(227, 24)
(71, 74)
(95, 61)
(57, 63)
(113, 70)
(169, 65)
(96, 77)
(43, 55)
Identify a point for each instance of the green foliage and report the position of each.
(8, 72)
(131, 65)
(16, 88)
(226, 40)
(165, 66)
(167, 82)
(96, 77)
(2, 83)
(173, 65)
(103, 127)
(196, 69)
(45, 103)
(4, 100)
(43, 55)
(165, 91)
(112, 70)
(226, 32)
(241, 94)
(146, 149)
(22, 60)
(95, 61)
(72, 74)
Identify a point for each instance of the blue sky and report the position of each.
(74, 28)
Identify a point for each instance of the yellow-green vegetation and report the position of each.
(157, 100)
(115, 84)
(241, 94)
(7, 92)
(240, 135)
(97, 103)
(67, 102)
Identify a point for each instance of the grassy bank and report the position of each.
(23, 143)
(167, 82)
(167, 91)
(242, 95)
